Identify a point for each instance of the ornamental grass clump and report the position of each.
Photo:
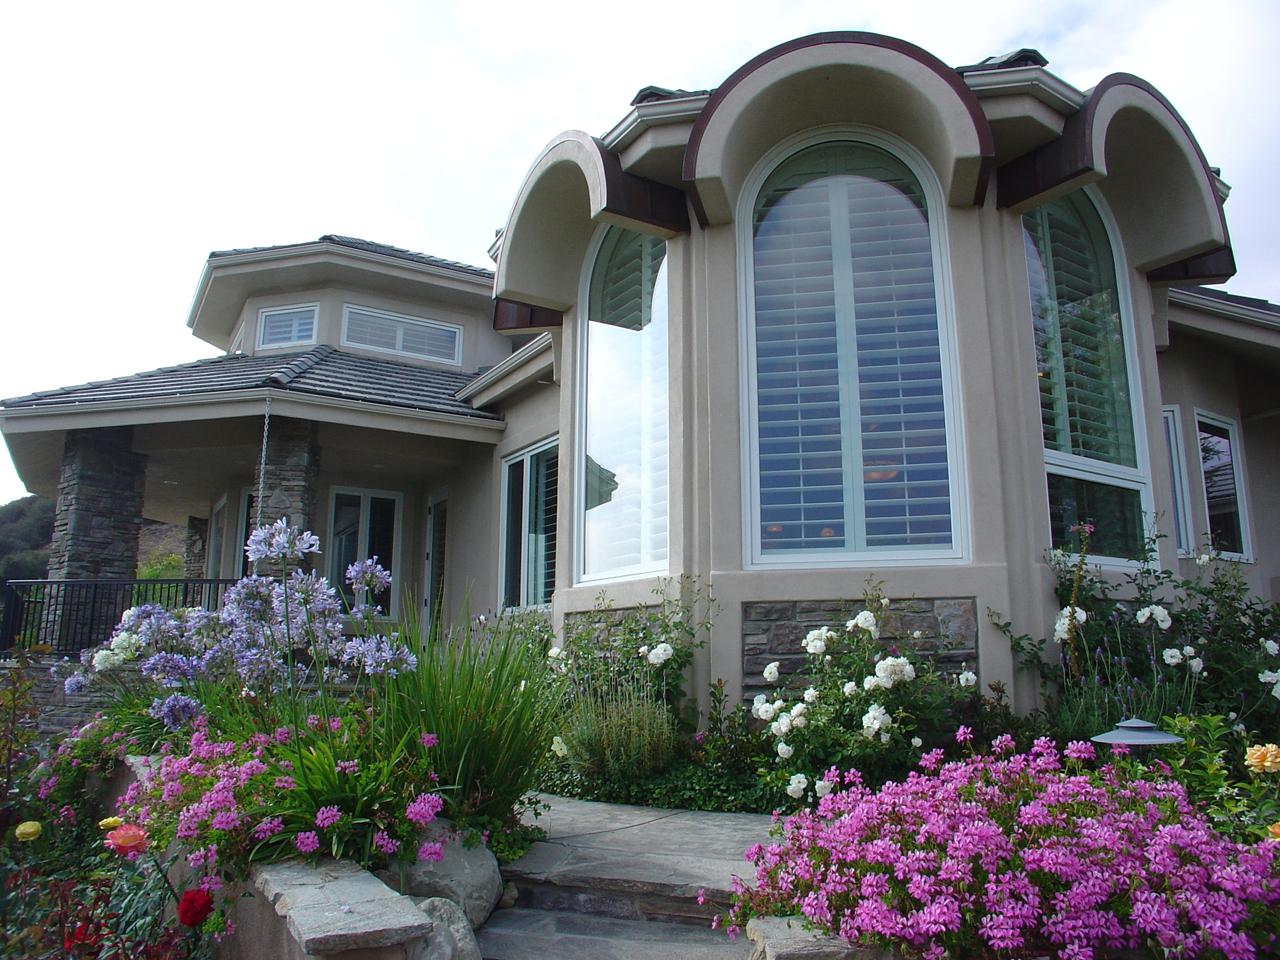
(623, 733)
(1019, 855)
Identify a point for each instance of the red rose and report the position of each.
(194, 907)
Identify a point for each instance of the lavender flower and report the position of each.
(307, 842)
(176, 711)
(280, 542)
(170, 669)
(327, 816)
(378, 655)
(76, 683)
(424, 809)
(385, 844)
(368, 575)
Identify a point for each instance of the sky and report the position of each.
(137, 137)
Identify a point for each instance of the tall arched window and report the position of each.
(853, 452)
(622, 459)
(1082, 361)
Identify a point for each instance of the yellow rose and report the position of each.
(109, 823)
(1263, 759)
(1274, 830)
(27, 831)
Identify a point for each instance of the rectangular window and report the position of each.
(287, 326)
(1223, 485)
(529, 498)
(1183, 537)
(1114, 511)
(363, 524)
(394, 333)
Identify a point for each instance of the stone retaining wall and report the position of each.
(58, 712)
(773, 630)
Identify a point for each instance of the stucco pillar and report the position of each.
(196, 549)
(292, 466)
(99, 509)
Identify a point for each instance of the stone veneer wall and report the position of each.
(99, 510)
(292, 466)
(195, 549)
(773, 631)
(58, 712)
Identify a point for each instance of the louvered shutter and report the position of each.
(625, 441)
(1084, 384)
(852, 445)
(540, 560)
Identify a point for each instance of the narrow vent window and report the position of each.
(409, 336)
(284, 326)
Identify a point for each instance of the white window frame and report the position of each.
(1171, 417)
(527, 455)
(1098, 471)
(237, 345)
(362, 536)
(1237, 470)
(582, 320)
(264, 312)
(455, 360)
(948, 349)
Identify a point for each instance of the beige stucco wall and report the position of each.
(481, 346)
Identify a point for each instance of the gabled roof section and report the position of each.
(321, 372)
(1252, 310)
(368, 246)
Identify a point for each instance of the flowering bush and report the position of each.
(1156, 645)
(862, 705)
(1019, 855)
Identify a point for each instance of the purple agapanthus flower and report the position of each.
(280, 542)
(378, 655)
(368, 575)
(175, 711)
(76, 683)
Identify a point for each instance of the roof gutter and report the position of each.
(657, 113)
(530, 351)
(1221, 308)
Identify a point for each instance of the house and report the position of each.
(852, 313)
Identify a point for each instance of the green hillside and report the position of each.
(26, 527)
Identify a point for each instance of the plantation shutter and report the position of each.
(1084, 385)
(540, 565)
(627, 407)
(852, 442)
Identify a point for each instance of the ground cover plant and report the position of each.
(1018, 855)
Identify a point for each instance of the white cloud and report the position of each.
(140, 136)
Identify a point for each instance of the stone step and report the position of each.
(523, 934)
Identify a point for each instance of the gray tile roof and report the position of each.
(321, 371)
(355, 243)
(1256, 303)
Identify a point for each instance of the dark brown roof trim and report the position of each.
(638, 198)
(514, 316)
(1071, 156)
(1216, 266)
(981, 125)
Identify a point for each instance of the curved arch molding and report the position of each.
(833, 78)
(1130, 140)
(574, 185)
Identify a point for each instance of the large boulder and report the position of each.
(451, 936)
(467, 875)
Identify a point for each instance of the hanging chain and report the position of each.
(262, 462)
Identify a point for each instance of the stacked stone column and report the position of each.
(292, 466)
(95, 531)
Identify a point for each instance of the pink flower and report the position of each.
(1079, 750)
(428, 740)
(383, 841)
(431, 850)
(268, 828)
(963, 734)
(424, 808)
(349, 767)
(328, 816)
(307, 842)
(284, 783)
(335, 724)
(313, 721)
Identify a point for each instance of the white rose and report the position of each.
(784, 750)
(967, 679)
(884, 738)
(1195, 664)
(799, 710)
(782, 726)
(799, 722)
(1162, 618)
(1188, 651)
(884, 601)
(797, 786)
(644, 651)
(765, 712)
(1275, 691)
(771, 672)
(1271, 647)
(661, 654)
(917, 742)
(1172, 656)
(875, 683)
(1203, 560)
(558, 747)
(916, 634)
(817, 647)
(822, 787)
(757, 703)
(1269, 676)
(850, 688)
(811, 695)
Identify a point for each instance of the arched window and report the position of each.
(622, 449)
(853, 453)
(1082, 361)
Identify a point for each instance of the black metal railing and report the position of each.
(71, 615)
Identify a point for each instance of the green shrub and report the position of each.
(622, 733)
(490, 695)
